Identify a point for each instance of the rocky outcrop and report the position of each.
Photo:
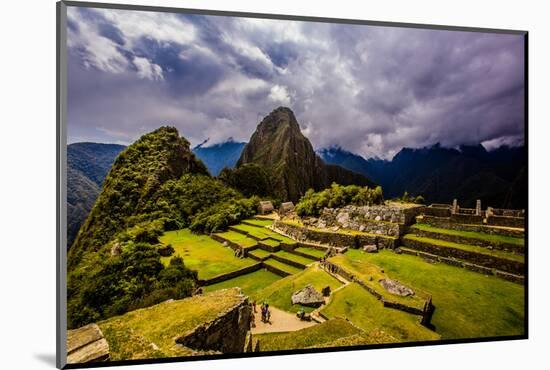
(86, 344)
(308, 296)
(227, 333)
(279, 146)
(395, 287)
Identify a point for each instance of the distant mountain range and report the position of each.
(467, 173)
(87, 167)
(439, 174)
(218, 156)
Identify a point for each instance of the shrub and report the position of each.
(406, 198)
(250, 179)
(337, 196)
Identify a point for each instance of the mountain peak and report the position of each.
(279, 145)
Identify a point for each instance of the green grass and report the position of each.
(364, 310)
(311, 251)
(250, 283)
(293, 257)
(468, 248)
(468, 305)
(262, 233)
(261, 223)
(239, 239)
(260, 253)
(472, 235)
(270, 242)
(282, 266)
(356, 262)
(202, 253)
(278, 294)
(314, 336)
(132, 335)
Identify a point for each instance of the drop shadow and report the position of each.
(46, 358)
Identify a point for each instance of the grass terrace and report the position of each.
(249, 283)
(314, 336)
(471, 234)
(263, 233)
(239, 239)
(311, 251)
(364, 310)
(282, 266)
(468, 248)
(150, 332)
(271, 242)
(260, 253)
(294, 257)
(259, 223)
(202, 253)
(356, 262)
(468, 305)
(278, 294)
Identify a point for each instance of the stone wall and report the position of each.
(437, 211)
(86, 344)
(509, 247)
(384, 219)
(457, 263)
(227, 333)
(445, 222)
(336, 239)
(518, 222)
(485, 260)
(470, 219)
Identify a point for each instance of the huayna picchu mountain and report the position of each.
(280, 147)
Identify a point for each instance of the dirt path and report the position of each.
(280, 321)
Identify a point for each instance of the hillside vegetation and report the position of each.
(155, 185)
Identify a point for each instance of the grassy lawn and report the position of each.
(315, 336)
(356, 262)
(202, 253)
(261, 223)
(311, 251)
(132, 335)
(282, 266)
(239, 239)
(364, 310)
(271, 242)
(293, 257)
(262, 233)
(472, 235)
(278, 294)
(468, 248)
(260, 253)
(468, 304)
(249, 283)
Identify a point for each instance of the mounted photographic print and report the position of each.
(234, 184)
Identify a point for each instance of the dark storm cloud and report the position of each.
(371, 90)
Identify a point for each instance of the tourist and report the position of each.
(254, 306)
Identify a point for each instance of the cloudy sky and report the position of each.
(371, 90)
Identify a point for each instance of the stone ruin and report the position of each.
(477, 216)
(308, 296)
(286, 208)
(395, 287)
(265, 207)
(86, 344)
(386, 219)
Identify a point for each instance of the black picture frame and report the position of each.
(61, 192)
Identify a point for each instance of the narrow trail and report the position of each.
(280, 321)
